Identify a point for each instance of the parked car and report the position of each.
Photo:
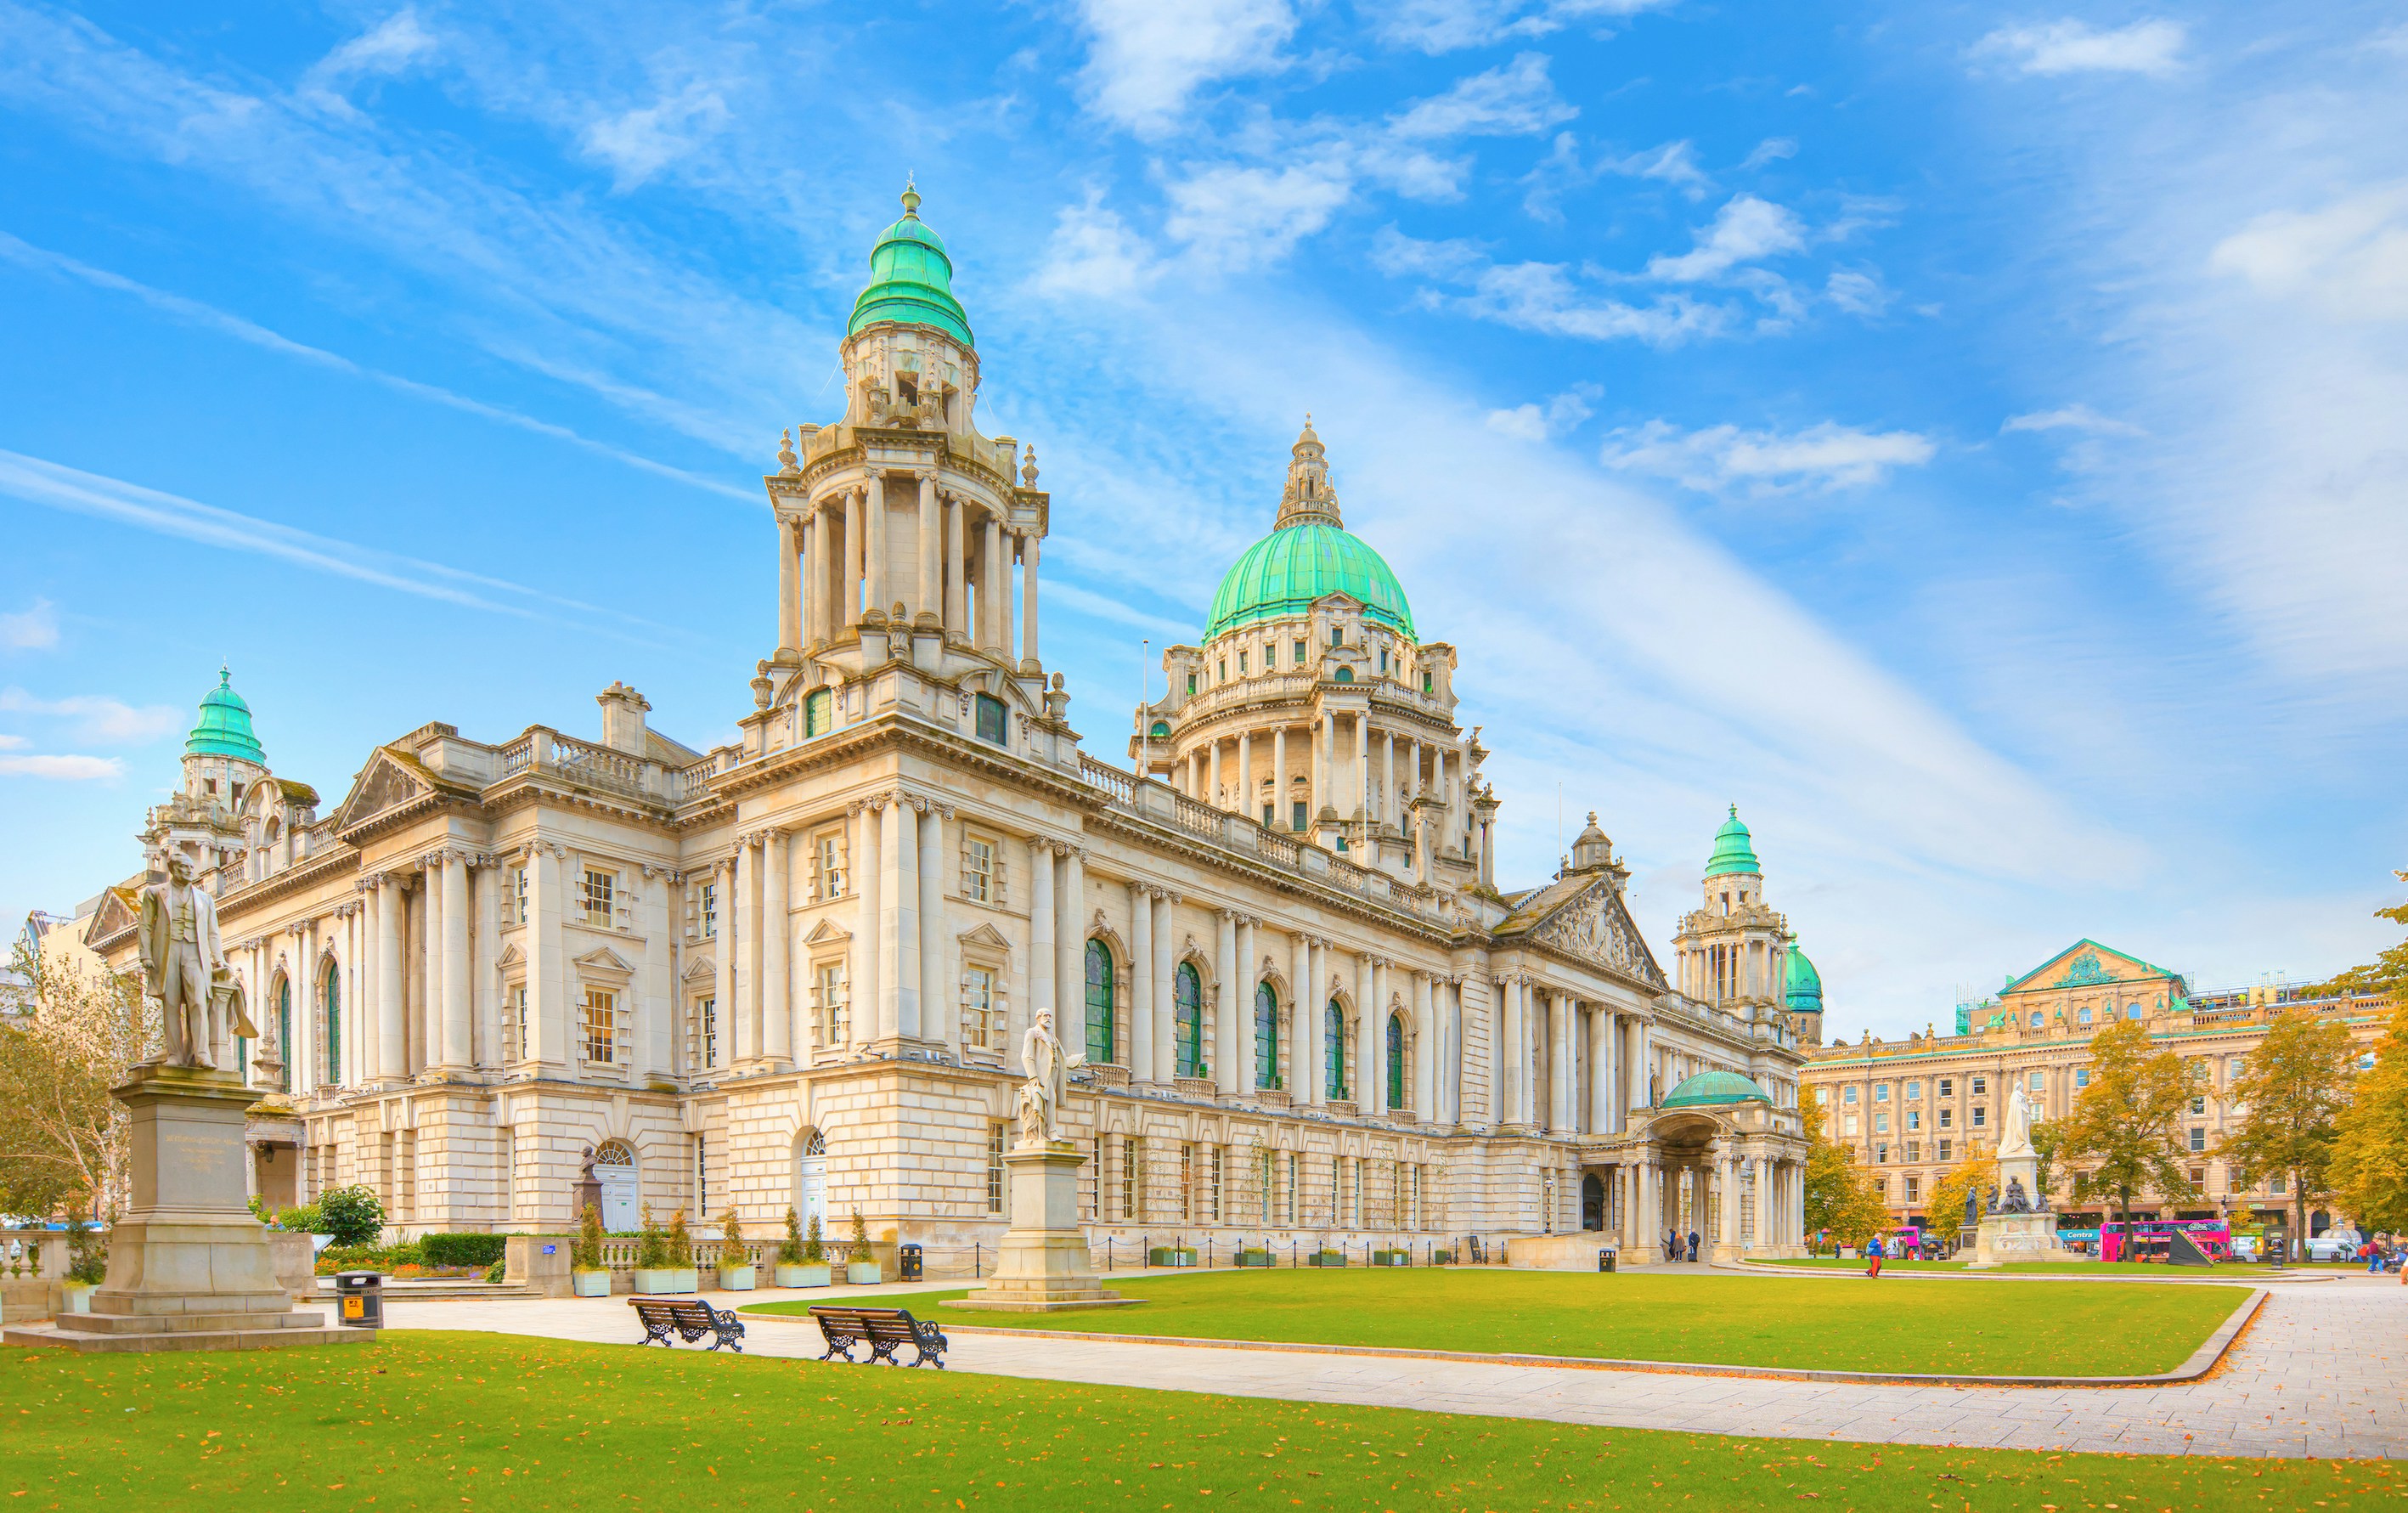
(2333, 1245)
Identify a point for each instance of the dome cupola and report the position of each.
(1804, 992)
(911, 280)
(1733, 850)
(1717, 1090)
(1309, 555)
(224, 729)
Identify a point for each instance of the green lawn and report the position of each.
(476, 1422)
(2103, 1331)
(2152, 1270)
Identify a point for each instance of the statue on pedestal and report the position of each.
(2017, 1201)
(2014, 1136)
(184, 967)
(1040, 1097)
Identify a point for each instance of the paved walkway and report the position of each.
(2322, 1373)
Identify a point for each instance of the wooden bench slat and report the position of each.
(885, 1330)
(690, 1318)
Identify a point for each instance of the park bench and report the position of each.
(689, 1318)
(885, 1330)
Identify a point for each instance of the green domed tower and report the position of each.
(910, 279)
(1309, 555)
(224, 729)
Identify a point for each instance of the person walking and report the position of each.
(1671, 1245)
(1873, 1255)
(1693, 1245)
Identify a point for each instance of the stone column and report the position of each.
(1312, 1018)
(745, 1022)
(1215, 794)
(1361, 778)
(1041, 937)
(1562, 1061)
(723, 959)
(547, 958)
(456, 1049)
(867, 991)
(777, 945)
(1248, 973)
(1513, 1054)
(1299, 998)
(392, 1043)
(789, 597)
(1070, 938)
(957, 624)
(1142, 1047)
(856, 537)
(993, 573)
(1424, 1050)
(1165, 1050)
(901, 843)
(877, 576)
(939, 986)
(1028, 656)
(1375, 1038)
(1391, 812)
(1246, 787)
(1280, 801)
(813, 572)
(1224, 1026)
(1601, 1070)
(931, 542)
(1318, 797)
(1365, 1097)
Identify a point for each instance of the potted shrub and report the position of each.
(352, 1216)
(587, 1275)
(734, 1261)
(679, 1243)
(1392, 1258)
(801, 1262)
(1172, 1255)
(860, 1263)
(86, 1266)
(652, 1274)
(1325, 1257)
(1253, 1257)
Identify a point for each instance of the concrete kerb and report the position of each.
(2203, 1361)
(1849, 1274)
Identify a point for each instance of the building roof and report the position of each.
(225, 728)
(1284, 573)
(1733, 850)
(2081, 973)
(1804, 994)
(1710, 1090)
(910, 279)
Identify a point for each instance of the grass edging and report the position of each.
(2201, 1361)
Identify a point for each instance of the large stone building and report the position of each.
(797, 969)
(1911, 1109)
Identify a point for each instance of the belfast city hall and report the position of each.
(796, 970)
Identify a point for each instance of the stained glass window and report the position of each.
(1333, 1051)
(1266, 1036)
(1395, 1063)
(1099, 1004)
(1187, 1020)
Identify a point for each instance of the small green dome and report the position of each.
(1805, 990)
(1285, 571)
(1733, 851)
(1710, 1090)
(911, 280)
(225, 728)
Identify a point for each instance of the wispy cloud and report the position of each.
(1148, 58)
(1824, 456)
(639, 142)
(1539, 423)
(1745, 230)
(1513, 99)
(2350, 258)
(2070, 418)
(1541, 297)
(2073, 46)
(98, 718)
(1437, 26)
(33, 628)
(61, 769)
(388, 49)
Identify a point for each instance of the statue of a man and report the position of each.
(184, 966)
(1040, 1097)
(2014, 1136)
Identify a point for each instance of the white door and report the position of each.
(621, 1208)
(810, 1191)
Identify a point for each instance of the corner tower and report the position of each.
(1733, 952)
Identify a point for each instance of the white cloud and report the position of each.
(1092, 253)
(2072, 46)
(1674, 163)
(1540, 296)
(1514, 99)
(1150, 56)
(1745, 230)
(31, 629)
(1241, 217)
(1534, 422)
(2350, 258)
(640, 142)
(1857, 291)
(387, 49)
(1436, 26)
(2070, 418)
(110, 722)
(63, 769)
(1719, 457)
(1770, 150)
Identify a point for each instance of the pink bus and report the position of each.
(2149, 1238)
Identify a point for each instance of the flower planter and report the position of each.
(1326, 1257)
(590, 1284)
(863, 1273)
(1171, 1256)
(803, 1273)
(1392, 1258)
(76, 1297)
(736, 1278)
(664, 1279)
(1253, 1257)
(1441, 1257)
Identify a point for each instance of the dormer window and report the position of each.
(1270, 655)
(1297, 660)
(1242, 664)
(1337, 635)
(1225, 670)
(1383, 659)
(907, 388)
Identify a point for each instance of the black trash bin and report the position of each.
(1605, 1259)
(360, 1299)
(907, 1263)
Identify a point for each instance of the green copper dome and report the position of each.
(1285, 571)
(225, 728)
(1709, 1090)
(1805, 990)
(1732, 852)
(911, 280)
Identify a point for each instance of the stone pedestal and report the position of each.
(2004, 1237)
(1043, 1266)
(189, 1268)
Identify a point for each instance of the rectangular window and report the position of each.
(706, 904)
(1915, 1150)
(2275, 1184)
(1914, 1119)
(828, 864)
(1297, 660)
(1947, 1086)
(597, 893)
(520, 1047)
(2198, 1138)
(1914, 1091)
(2081, 1079)
(1947, 1119)
(1848, 1125)
(2198, 1180)
(1977, 1086)
(1981, 1117)
(701, 1178)
(995, 1167)
(1880, 1093)
(1242, 664)
(992, 722)
(1914, 1189)
(2198, 1105)
(978, 869)
(2039, 1081)
(1880, 1123)
(981, 1019)
(1880, 1153)
(519, 893)
(600, 1025)
(1847, 1095)
(1191, 683)
(1186, 1183)
(1222, 671)
(1337, 635)
(1947, 1150)
(827, 989)
(1270, 813)
(1212, 1192)
(1270, 655)
(1298, 822)
(1132, 1175)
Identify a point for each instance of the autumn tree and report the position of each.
(2286, 1100)
(1839, 1195)
(1975, 1170)
(2124, 1134)
(2369, 1157)
(67, 1037)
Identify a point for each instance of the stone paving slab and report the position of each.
(2322, 1372)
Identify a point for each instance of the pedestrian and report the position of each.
(1671, 1245)
(1873, 1255)
(1693, 1245)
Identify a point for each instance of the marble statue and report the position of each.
(1972, 1207)
(1040, 1097)
(184, 967)
(2014, 1136)
(2017, 1201)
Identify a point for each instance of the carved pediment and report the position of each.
(703, 970)
(986, 935)
(603, 961)
(512, 956)
(1595, 926)
(828, 932)
(385, 783)
(120, 909)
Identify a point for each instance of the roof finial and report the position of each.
(910, 198)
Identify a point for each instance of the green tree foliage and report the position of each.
(814, 1252)
(351, 1215)
(1839, 1194)
(2294, 1086)
(586, 1254)
(2386, 974)
(790, 1249)
(2124, 1134)
(1976, 1171)
(2369, 1165)
(67, 1037)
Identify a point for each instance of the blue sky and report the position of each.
(1968, 438)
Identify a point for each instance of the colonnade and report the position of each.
(1361, 773)
(906, 539)
(1717, 972)
(1565, 1065)
(1738, 1196)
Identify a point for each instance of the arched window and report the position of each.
(2083, 1019)
(1187, 1020)
(1395, 1054)
(1099, 1004)
(2036, 1019)
(334, 1037)
(819, 713)
(1333, 1052)
(992, 723)
(1345, 674)
(284, 1028)
(1266, 1036)
(1161, 730)
(2132, 1010)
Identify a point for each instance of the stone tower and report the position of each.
(1733, 952)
